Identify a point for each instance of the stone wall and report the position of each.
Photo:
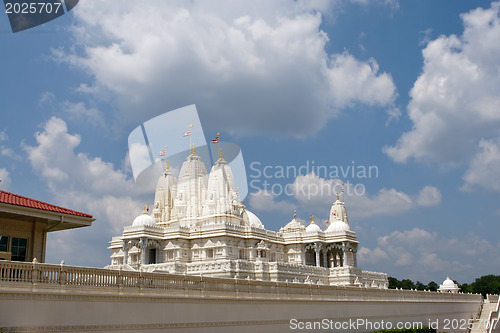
(42, 297)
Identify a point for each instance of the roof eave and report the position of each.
(62, 220)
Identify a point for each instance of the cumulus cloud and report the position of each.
(455, 101)
(315, 191)
(4, 179)
(241, 62)
(484, 169)
(4, 150)
(419, 254)
(83, 183)
(265, 201)
(80, 112)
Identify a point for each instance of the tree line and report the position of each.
(487, 284)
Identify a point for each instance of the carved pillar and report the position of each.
(355, 255)
(143, 244)
(325, 258)
(317, 249)
(125, 252)
(251, 254)
(344, 250)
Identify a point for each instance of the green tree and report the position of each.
(420, 286)
(407, 284)
(487, 284)
(393, 282)
(432, 286)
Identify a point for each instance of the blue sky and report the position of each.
(408, 87)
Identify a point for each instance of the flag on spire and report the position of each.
(188, 133)
(161, 153)
(216, 140)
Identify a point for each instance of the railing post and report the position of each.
(141, 279)
(62, 274)
(34, 272)
(119, 278)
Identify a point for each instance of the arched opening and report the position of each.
(310, 257)
(335, 258)
(152, 253)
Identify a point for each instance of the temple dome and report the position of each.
(337, 226)
(448, 282)
(338, 210)
(164, 196)
(252, 219)
(313, 227)
(191, 188)
(144, 220)
(448, 286)
(220, 189)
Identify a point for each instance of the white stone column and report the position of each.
(317, 249)
(344, 250)
(355, 255)
(251, 254)
(143, 246)
(125, 252)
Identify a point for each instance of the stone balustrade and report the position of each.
(494, 316)
(23, 273)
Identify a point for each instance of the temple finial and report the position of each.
(188, 133)
(168, 165)
(217, 141)
(337, 196)
(165, 155)
(294, 214)
(194, 149)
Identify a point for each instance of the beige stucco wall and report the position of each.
(76, 309)
(34, 231)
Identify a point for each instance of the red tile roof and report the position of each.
(17, 200)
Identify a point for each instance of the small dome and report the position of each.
(337, 226)
(313, 227)
(144, 219)
(448, 282)
(252, 219)
(449, 286)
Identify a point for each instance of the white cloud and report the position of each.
(428, 196)
(484, 169)
(241, 62)
(265, 201)
(354, 81)
(7, 151)
(313, 191)
(455, 101)
(47, 97)
(420, 254)
(5, 179)
(80, 182)
(79, 112)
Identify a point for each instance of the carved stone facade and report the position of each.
(199, 227)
